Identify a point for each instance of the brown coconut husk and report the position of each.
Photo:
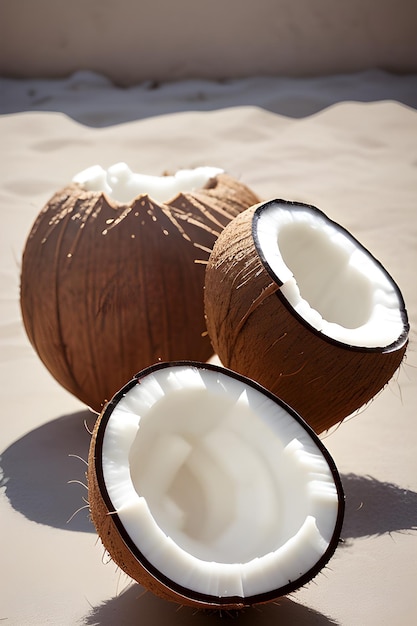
(109, 288)
(255, 331)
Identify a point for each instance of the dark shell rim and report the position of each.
(198, 597)
(295, 206)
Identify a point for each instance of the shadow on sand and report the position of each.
(135, 606)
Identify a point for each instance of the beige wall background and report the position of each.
(136, 40)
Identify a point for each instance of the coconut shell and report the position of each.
(126, 554)
(256, 332)
(109, 288)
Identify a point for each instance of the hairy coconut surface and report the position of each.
(108, 288)
(180, 460)
(295, 302)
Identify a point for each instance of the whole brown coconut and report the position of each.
(295, 302)
(108, 288)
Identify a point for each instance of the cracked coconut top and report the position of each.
(123, 185)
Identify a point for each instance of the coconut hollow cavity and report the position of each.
(294, 301)
(210, 491)
(328, 278)
(112, 280)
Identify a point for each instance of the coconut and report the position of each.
(294, 301)
(209, 491)
(110, 279)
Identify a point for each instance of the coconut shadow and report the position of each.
(36, 469)
(375, 508)
(154, 611)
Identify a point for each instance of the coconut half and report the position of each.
(209, 490)
(112, 278)
(294, 301)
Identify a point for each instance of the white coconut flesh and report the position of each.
(120, 183)
(328, 277)
(217, 484)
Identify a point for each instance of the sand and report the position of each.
(345, 143)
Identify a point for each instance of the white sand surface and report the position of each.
(347, 144)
